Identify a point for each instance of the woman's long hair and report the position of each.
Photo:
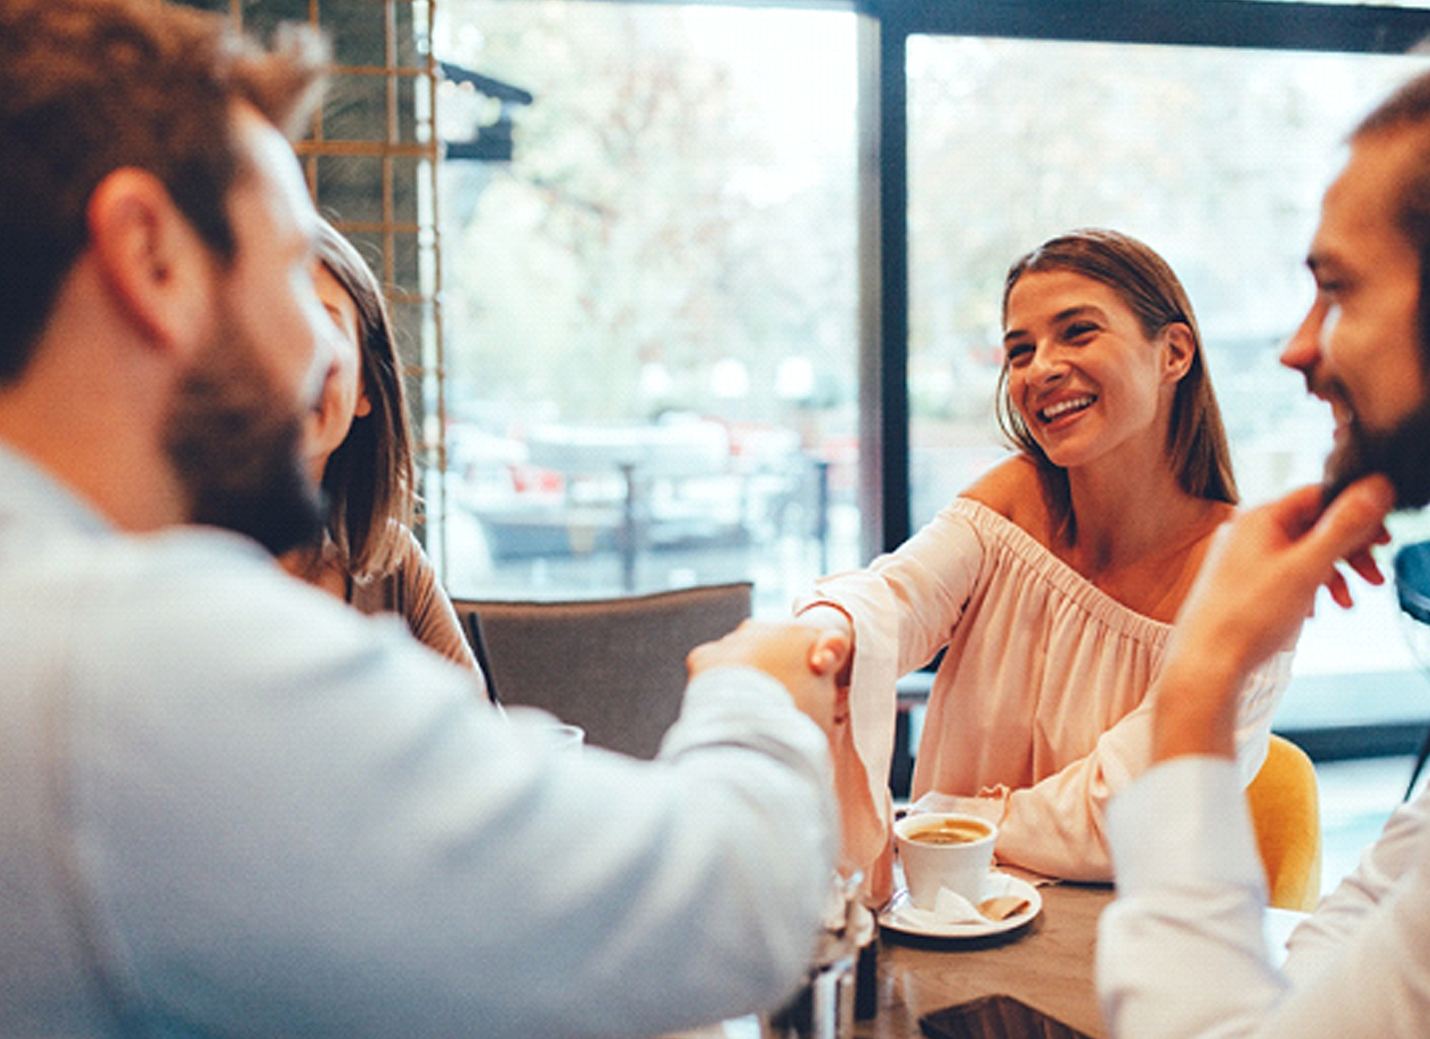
(1196, 439)
(369, 480)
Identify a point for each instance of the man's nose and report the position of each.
(1303, 349)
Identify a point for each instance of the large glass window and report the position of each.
(1216, 158)
(651, 304)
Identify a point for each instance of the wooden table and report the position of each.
(1047, 965)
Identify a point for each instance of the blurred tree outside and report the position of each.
(677, 219)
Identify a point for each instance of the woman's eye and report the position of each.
(1079, 330)
(1019, 353)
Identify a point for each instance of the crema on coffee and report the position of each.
(948, 831)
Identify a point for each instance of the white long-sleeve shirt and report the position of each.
(234, 806)
(1181, 950)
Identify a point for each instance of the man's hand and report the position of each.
(792, 653)
(1257, 585)
(834, 646)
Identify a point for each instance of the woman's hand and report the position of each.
(1256, 586)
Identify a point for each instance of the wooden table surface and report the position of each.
(1047, 965)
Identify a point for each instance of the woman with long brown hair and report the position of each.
(360, 449)
(1051, 583)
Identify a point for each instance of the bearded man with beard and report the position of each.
(237, 454)
(232, 805)
(1181, 951)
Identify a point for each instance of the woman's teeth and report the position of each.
(1063, 407)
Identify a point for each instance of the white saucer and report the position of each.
(894, 920)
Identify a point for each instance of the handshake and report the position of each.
(810, 656)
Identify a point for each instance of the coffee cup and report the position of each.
(950, 850)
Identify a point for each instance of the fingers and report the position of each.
(724, 650)
(1345, 529)
(1364, 564)
(1350, 524)
(1298, 511)
(698, 659)
(777, 647)
(1340, 592)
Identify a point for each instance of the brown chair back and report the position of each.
(615, 667)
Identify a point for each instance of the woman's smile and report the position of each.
(1065, 410)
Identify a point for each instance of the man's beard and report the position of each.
(1401, 454)
(236, 452)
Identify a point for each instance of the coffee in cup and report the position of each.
(950, 850)
(945, 830)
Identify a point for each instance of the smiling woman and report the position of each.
(1106, 290)
(1051, 581)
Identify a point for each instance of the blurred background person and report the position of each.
(358, 444)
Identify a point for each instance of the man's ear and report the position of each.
(151, 259)
(1180, 350)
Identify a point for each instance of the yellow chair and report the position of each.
(1285, 813)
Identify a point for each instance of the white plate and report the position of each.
(894, 920)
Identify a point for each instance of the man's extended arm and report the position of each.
(301, 823)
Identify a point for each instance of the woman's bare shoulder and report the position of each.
(1012, 489)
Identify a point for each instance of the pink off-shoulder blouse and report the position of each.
(1038, 712)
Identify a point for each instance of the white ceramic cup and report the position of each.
(960, 866)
